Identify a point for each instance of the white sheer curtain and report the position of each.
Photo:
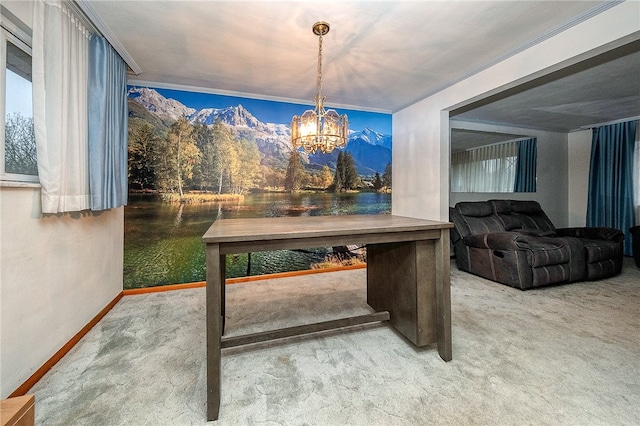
(486, 169)
(60, 58)
(636, 173)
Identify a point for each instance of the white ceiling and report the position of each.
(378, 56)
(602, 89)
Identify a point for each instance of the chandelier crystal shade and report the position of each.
(319, 130)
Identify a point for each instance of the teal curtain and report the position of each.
(526, 166)
(107, 116)
(611, 179)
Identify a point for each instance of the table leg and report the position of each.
(411, 280)
(401, 279)
(223, 290)
(443, 292)
(214, 308)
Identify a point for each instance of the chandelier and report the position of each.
(319, 129)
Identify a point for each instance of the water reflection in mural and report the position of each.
(163, 242)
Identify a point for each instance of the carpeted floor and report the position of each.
(566, 355)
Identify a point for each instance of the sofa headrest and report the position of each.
(501, 206)
(526, 207)
(474, 208)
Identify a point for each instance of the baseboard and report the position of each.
(40, 372)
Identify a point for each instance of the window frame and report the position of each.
(6, 35)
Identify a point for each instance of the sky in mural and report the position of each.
(274, 111)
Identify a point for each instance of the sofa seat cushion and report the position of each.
(603, 269)
(551, 274)
(539, 251)
(547, 254)
(599, 250)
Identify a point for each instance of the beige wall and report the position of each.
(420, 131)
(552, 172)
(56, 272)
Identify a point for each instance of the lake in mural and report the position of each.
(188, 150)
(163, 242)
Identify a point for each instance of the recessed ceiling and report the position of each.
(379, 55)
(599, 90)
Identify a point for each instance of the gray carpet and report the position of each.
(561, 355)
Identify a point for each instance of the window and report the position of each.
(486, 169)
(18, 148)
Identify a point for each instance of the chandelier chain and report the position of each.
(319, 82)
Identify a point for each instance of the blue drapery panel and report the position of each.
(526, 166)
(107, 111)
(611, 179)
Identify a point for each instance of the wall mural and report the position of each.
(197, 157)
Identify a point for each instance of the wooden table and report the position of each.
(407, 276)
(18, 411)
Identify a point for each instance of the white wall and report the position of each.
(20, 8)
(579, 160)
(57, 273)
(420, 131)
(552, 173)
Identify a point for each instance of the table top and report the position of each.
(274, 228)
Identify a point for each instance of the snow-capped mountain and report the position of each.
(236, 116)
(158, 104)
(371, 150)
(372, 137)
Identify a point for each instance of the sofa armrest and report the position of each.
(592, 233)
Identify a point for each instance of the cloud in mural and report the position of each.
(370, 149)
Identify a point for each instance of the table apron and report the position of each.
(326, 241)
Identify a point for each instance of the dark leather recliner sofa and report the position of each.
(514, 243)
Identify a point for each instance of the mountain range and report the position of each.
(371, 150)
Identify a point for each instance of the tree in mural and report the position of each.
(180, 157)
(295, 173)
(273, 178)
(346, 176)
(377, 182)
(143, 155)
(247, 173)
(203, 175)
(386, 176)
(326, 177)
(20, 145)
(351, 178)
(225, 158)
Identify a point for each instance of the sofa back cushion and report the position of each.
(526, 215)
(531, 216)
(504, 211)
(476, 218)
